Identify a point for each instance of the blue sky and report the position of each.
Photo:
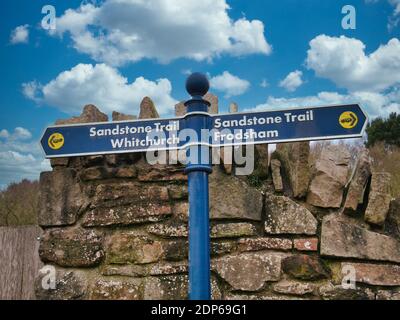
(260, 54)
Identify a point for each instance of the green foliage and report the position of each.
(19, 204)
(384, 130)
(255, 180)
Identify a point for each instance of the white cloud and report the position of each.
(375, 104)
(394, 19)
(121, 31)
(103, 86)
(264, 83)
(20, 156)
(343, 60)
(292, 81)
(229, 84)
(20, 34)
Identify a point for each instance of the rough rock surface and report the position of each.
(305, 267)
(69, 285)
(148, 109)
(132, 248)
(90, 113)
(294, 287)
(233, 230)
(284, 216)
(355, 193)
(61, 199)
(127, 215)
(249, 271)
(118, 116)
(379, 199)
(294, 160)
(116, 289)
(257, 244)
(375, 274)
(308, 244)
(231, 198)
(342, 239)
(337, 292)
(71, 247)
(276, 175)
(172, 288)
(330, 177)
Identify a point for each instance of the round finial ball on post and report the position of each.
(197, 84)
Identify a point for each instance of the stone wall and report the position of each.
(116, 227)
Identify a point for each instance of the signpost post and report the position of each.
(277, 126)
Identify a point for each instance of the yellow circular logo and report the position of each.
(348, 120)
(56, 141)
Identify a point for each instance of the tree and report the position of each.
(19, 203)
(384, 130)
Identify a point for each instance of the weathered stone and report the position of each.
(260, 297)
(358, 183)
(95, 173)
(113, 194)
(125, 172)
(330, 177)
(308, 244)
(276, 175)
(148, 109)
(226, 157)
(332, 292)
(305, 267)
(71, 247)
(61, 198)
(249, 271)
(125, 248)
(123, 159)
(90, 113)
(166, 288)
(261, 161)
(160, 173)
(106, 289)
(379, 199)
(233, 230)
(257, 244)
(127, 215)
(169, 229)
(233, 107)
(388, 295)
(232, 198)
(59, 162)
(222, 247)
(375, 274)
(168, 269)
(69, 285)
(178, 192)
(134, 270)
(180, 109)
(181, 211)
(130, 270)
(213, 100)
(284, 216)
(176, 250)
(392, 223)
(173, 287)
(117, 116)
(293, 287)
(342, 239)
(92, 161)
(294, 160)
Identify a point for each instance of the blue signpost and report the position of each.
(295, 124)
